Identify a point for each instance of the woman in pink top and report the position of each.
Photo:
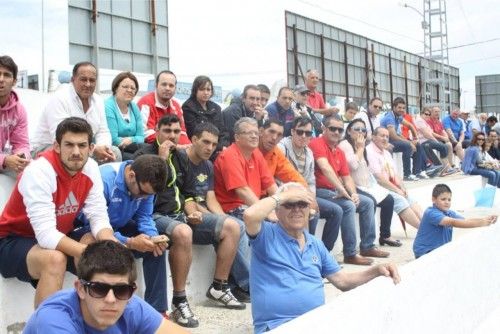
(353, 146)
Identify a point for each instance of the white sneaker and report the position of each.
(423, 175)
(183, 315)
(226, 298)
(411, 177)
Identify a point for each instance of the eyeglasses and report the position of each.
(132, 88)
(427, 114)
(480, 139)
(169, 131)
(377, 107)
(249, 133)
(336, 128)
(300, 133)
(304, 93)
(101, 290)
(292, 205)
(358, 129)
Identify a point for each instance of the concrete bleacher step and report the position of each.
(16, 298)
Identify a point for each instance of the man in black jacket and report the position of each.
(249, 105)
(176, 214)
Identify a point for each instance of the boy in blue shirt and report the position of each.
(436, 226)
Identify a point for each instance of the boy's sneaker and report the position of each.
(226, 298)
(183, 315)
(422, 175)
(411, 177)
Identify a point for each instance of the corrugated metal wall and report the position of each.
(488, 94)
(370, 65)
(124, 35)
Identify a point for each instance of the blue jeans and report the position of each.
(155, 272)
(405, 148)
(347, 228)
(493, 176)
(240, 271)
(332, 213)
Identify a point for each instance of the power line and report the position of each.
(359, 21)
(474, 43)
(476, 60)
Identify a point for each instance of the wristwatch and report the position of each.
(277, 199)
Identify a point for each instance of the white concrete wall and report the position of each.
(454, 289)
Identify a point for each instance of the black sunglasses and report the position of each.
(336, 128)
(291, 205)
(169, 131)
(302, 132)
(359, 129)
(427, 114)
(101, 290)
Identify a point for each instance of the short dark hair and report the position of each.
(301, 121)
(157, 79)
(205, 127)
(75, 125)
(351, 105)
(198, 83)
(80, 64)
(375, 98)
(167, 120)
(284, 88)
(106, 257)
(247, 88)
(267, 124)
(8, 63)
(398, 100)
(439, 189)
(350, 140)
(152, 169)
(122, 76)
(492, 119)
(326, 120)
(264, 89)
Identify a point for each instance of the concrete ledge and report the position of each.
(455, 289)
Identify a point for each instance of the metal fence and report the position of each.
(358, 68)
(488, 94)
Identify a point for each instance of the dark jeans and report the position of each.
(431, 145)
(386, 210)
(417, 156)
(493, 176)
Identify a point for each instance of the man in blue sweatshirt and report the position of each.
(129, 189)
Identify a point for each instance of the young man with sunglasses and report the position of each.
(371, 116)
(103, 299)
(288, 263)
(335, 185)
(36, 222)
(129, 189)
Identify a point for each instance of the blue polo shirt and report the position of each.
(456, 125)
(431, 234)
(391, 119)
(285, 116)
(285, 282)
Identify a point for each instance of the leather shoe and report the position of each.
(389, 242)
(358, 260)
(374, 252)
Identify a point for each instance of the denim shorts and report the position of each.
(206, 233)
(400, 202)
(13, 253)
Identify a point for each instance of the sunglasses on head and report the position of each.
(358, 129)
(101, 290)
(291, 205)
(303, 132)
(336, 128)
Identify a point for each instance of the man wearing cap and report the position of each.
(315, 99)
(281, 109)
(301, 109)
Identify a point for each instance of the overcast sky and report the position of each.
(239, 42)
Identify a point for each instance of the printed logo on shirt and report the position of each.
(314, 259)
(70, 206)
(202, 177)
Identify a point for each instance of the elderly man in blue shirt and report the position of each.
(454, 127)
(288, 264)
(129, 189)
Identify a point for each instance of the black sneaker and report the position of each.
(183, 315)
(240, 294)
(226, 298)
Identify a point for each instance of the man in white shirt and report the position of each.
(78, 99)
